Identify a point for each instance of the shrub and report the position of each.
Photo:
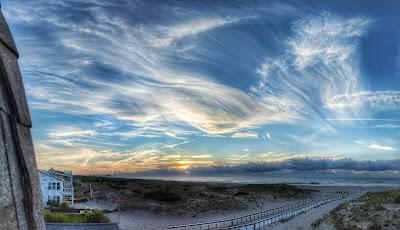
(379, 207)
(162, 195)
(374, 226)
(317, 223)
(64, 205)
(54, 217)
(240, 193)
(52, 203)
(96, 217)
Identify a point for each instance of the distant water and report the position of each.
(311, 180)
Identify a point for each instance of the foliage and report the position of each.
(240, 193)
(54, 217)
(397, 200)
(317, 223)
(374, 226)
(52, 203)
(373, 209)
(385, 197)
(64, 205)
(96, 217)
(162, 195)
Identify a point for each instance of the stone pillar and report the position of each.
(20, 199)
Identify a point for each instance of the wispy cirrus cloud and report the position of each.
(154, 92)
(144, 88)
(377, 101)
(338, 45)
(165, 36)
(319, 62)
(386, 126)
(69, 131)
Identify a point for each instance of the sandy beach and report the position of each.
(201, 202)
(145, 220)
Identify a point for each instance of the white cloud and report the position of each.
(167, 35)
(69, 131)
(326, 39)
(386, 126)
(380, 147)
(377, 100)
(272, 156)
(320, 61)
(237, 158)
(375, 146)
(249, 134)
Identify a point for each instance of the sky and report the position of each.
(188, 86)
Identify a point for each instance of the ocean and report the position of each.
(292, 179)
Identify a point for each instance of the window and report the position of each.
(49, 186)
(54, 185)
(58, 186)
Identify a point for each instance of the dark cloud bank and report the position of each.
(294, 164)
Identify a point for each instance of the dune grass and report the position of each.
(372, 211)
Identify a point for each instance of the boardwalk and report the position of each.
(260, 219)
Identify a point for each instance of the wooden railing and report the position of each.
(259, 219)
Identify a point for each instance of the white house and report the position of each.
(57, 186)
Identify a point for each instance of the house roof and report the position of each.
(51, 175)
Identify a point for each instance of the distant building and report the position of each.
(57, 186)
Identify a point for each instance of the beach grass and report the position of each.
(372, 211)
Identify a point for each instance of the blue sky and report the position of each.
(132, 86)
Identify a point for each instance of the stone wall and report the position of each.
(20, 204)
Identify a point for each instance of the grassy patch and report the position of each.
(75, 218)
(57, 217)
(277, 190)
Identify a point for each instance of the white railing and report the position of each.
(259, 219)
